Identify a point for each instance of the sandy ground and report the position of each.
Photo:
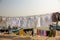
(34, 38)
(4, 39)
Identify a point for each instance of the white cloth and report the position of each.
(45, 21)
(38, 22)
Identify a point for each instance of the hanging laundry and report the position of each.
(21, 22)
(29, 22)
(41, 32)
(45, 21)
(44, 32)
(24, 22)
(32, 21)
(18, 23)
(35, 21)
(9, 21)
(38, 32)
(14, 21)
(38, 22)
(4, 18)
(59, 17)
(55, 16)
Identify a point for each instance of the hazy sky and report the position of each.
(28, 7)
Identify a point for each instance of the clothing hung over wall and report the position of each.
(45, 21)
(23, 22)
(41, 32)
(30, 21)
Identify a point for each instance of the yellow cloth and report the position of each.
(21, 32)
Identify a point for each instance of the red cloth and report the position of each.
(38, 32)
